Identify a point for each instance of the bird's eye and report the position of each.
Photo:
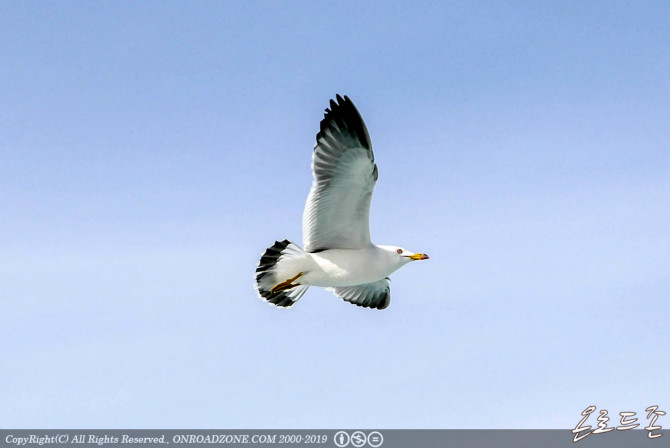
(399, 251)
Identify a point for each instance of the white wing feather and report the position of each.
(370, 295)
(337, 211)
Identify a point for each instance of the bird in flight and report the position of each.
(338, 253)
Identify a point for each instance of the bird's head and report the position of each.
(403, 255)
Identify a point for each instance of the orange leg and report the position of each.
(288, 284)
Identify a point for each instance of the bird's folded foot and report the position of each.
(288, 284)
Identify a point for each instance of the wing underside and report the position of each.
(370, 295)
(338, 206)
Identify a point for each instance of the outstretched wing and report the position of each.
(370, 295)
(337, 211)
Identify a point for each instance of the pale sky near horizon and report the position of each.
(150, 151)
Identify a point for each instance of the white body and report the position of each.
(341, 267)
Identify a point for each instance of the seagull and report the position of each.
(338, 253)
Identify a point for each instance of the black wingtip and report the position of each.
(346, 117)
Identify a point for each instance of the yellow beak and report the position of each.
(418, 257)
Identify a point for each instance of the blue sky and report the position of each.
(150, 151)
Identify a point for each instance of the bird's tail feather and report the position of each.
(273, 268)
